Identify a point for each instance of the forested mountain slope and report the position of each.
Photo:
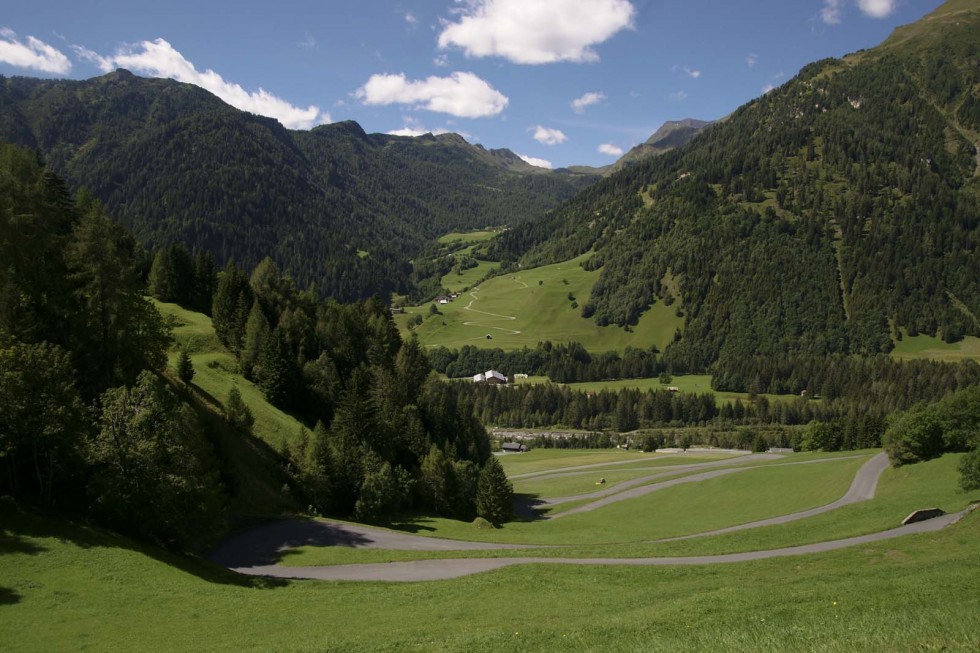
(818, 219)
(176, 164)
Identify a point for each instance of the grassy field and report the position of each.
(900, 491)
(467, 237)
(467, 278)
(690, 508)
(216, 373)
(519, 310)
(931, 348)
(69, 587)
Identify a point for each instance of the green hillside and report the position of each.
(216, 373)
(176, 164)
(815, 221)
(532, 306)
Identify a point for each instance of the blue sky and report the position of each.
(560, 82)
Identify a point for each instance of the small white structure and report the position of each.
(492, 377)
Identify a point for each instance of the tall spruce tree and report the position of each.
(495, 494)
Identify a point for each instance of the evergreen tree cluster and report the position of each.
(562, 363)
(387, 436)
(86, 423)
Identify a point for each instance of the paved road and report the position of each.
(422, 570)
(862, 488)
(256, 552)
(263, 546)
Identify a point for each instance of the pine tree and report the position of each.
(185, 367)
(495, 494)
(256, 332)
(238, 412)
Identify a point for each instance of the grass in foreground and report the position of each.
(66, 587)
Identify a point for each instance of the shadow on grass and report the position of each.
(21, 523)
(8, 596)
(266, 545)
(409, 526)
(528, 507)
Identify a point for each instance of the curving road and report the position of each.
(257, 552)
(421, 570)
(862, 488)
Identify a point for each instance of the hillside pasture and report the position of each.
(522, 309)
(216, 373)
(932, 348)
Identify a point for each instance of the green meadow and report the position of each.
(932, 348)
(67, 586)
(522, 309)
(467, 237)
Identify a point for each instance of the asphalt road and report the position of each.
(257, 552)
(424, 570)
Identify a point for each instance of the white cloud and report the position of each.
(876, 8)
(34, 53)
(694, 73)
(751, 60)
(411, 19)
(768, 88)
(610, 149)
(441, 60)
(540, 163)
(159, 59)
(830, 14)
(586, 100)
(414, 132)
(414, 127)
(308, 43)
(679, 96)
(461, 94)
(94, 58)
(548, 136)
(536, 31)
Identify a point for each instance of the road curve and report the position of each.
(257, 552)
(862, 488)
(423, 570)
(627, 489)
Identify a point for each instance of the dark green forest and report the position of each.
(92, 424)
(333, 206)
(820, 219)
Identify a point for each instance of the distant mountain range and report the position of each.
(831, 215)
(333, 205)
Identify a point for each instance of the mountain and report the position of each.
(830, 215)
(333, 205)
(672, 134)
